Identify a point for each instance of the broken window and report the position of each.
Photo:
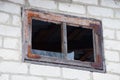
(51, 38)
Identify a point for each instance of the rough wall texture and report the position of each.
(11, 65)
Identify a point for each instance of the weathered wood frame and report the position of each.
(95, 25)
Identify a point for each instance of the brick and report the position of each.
(74, 8)
(4, 17)
(113, 67)
(87, 1)
(117, 13)
(0, 41)
(112, 45)
(53, 79)
(4, 77)
(13, 67)
(16, 20)
(44, 70)
(68, 1)
(10, 31)
(43, 4)
(99, 11)
(109, 33)
(109, 3)
(111, 23)
(118, 35)
(75, 74)
(9, 54)
(18, 1)
(11, 43)
(112, 56)
(103, 76)
(10, 8)
(23, 77)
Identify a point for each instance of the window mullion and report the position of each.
(64, 39)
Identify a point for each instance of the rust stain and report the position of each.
(98, 63)
(98, 58)
(30, 15)
(52, 17)
(31, 55)
(96, 28)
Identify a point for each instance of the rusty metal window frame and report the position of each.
(89, 23)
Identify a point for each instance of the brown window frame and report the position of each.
(89, 23)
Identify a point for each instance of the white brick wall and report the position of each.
(102, 76)
(9, 7)
(43, 4)
(23, 77)
(118, 34)
(9, 54)
(80, 9)
(53, 79)
(10, 31)
(11, 43)
(13, 67)
(117, 13)
(87, 1)
(109, 3)
(112, 45)
(109, 33)
(112, 56)
(18, 1)
(0, 41)
(111, 23)
(4, 17)
(16, 20)
(113, 67)
(75, 74)
(99, 11)
(4, 77)
(44, 70)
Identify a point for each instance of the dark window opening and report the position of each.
(46, 41)
(80, 43)
(46, 38)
